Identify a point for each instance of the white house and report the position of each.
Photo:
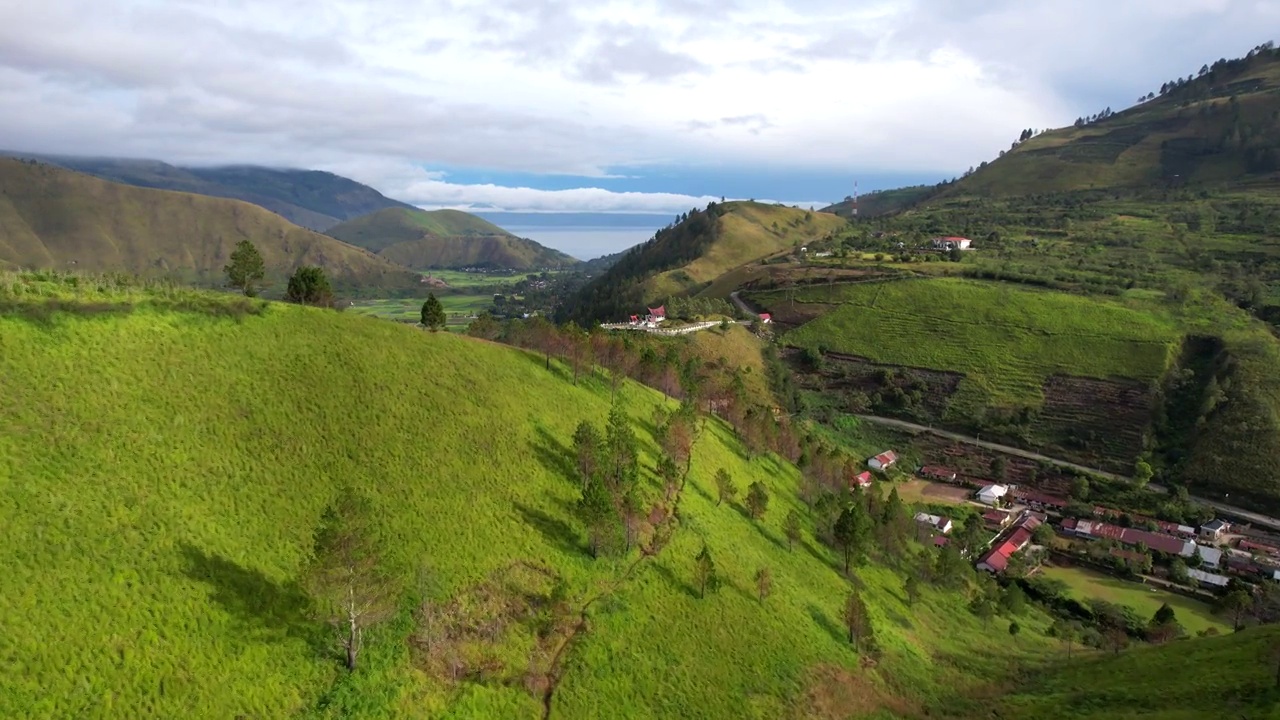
(951, 243)
(991, 494)
(937, 522)
(1213, 529)
(883, 461)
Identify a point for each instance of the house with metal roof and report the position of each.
(1207, 578)
(991, 494)
(883, 461)
(937, 522)
(1213, 529)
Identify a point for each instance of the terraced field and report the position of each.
(1065, 373)
(1008, 342)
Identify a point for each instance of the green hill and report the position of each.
(1235, 675)
(443, 239)
(687, 257)
(168, 456)
(1067, 374)
(313, 199)
(1218, 127)
(59, 219)
(882, 202)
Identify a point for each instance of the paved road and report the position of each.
(1249, 515)
(742, 305)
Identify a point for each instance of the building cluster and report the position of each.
(651, 319)
(1010, 542)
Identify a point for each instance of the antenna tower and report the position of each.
(855, 198)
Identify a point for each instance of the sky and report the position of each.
(652, 106)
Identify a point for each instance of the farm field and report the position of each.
(167, 516)
(1146, 599)
(924, 491)
(460, 279)
(458, 308)
(1006, 341)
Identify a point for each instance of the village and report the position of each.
(1029, 529)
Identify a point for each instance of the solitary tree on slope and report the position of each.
(350, 591)
(432, 313)
(246, 268)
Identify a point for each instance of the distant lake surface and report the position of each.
(584, 243)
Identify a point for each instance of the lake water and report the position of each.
(584, 243)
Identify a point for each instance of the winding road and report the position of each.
(1249, 515)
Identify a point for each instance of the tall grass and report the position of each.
(164, 469)
(1005, 341)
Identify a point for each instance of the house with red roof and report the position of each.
(936, 472)
(766, 318)
(995, 519)
(883, 461)
(862, 480)
(658, 314)
(952, 242)
(1257, 547)
(996, 560)
(1040, 500)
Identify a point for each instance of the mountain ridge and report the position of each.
(314, 199)
(54, 218)
(444, 239)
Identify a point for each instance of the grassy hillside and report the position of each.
(1006, 341)
(445, 239)
(684, 258)
(1220, 127)
(310, 198)
(735, 349)
(165, 515)
(58, 219)
(1231, 676)
(882, 202)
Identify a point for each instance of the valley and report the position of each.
(274, 444)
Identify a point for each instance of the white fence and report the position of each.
(683, 330)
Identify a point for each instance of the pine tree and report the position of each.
(858, 621)
(246, 268)
(725, 489)
(345, 580)
(792, 528)
(309, 286)
(433, 313)
(757, 500)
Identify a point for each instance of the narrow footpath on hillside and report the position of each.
(1253, 517)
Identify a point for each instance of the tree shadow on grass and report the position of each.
(822, 557)
(555, 531)
(554, 455)
(836, 632)
(676, 582)
(276, 611)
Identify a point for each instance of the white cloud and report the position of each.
(432, 190)
(577, 87)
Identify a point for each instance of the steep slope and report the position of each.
(686, 257)
(59, 219)
(1218, 127)
(313, 199)
(882, 202)
(165, 469)
(442, 239)
(1235, 675)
